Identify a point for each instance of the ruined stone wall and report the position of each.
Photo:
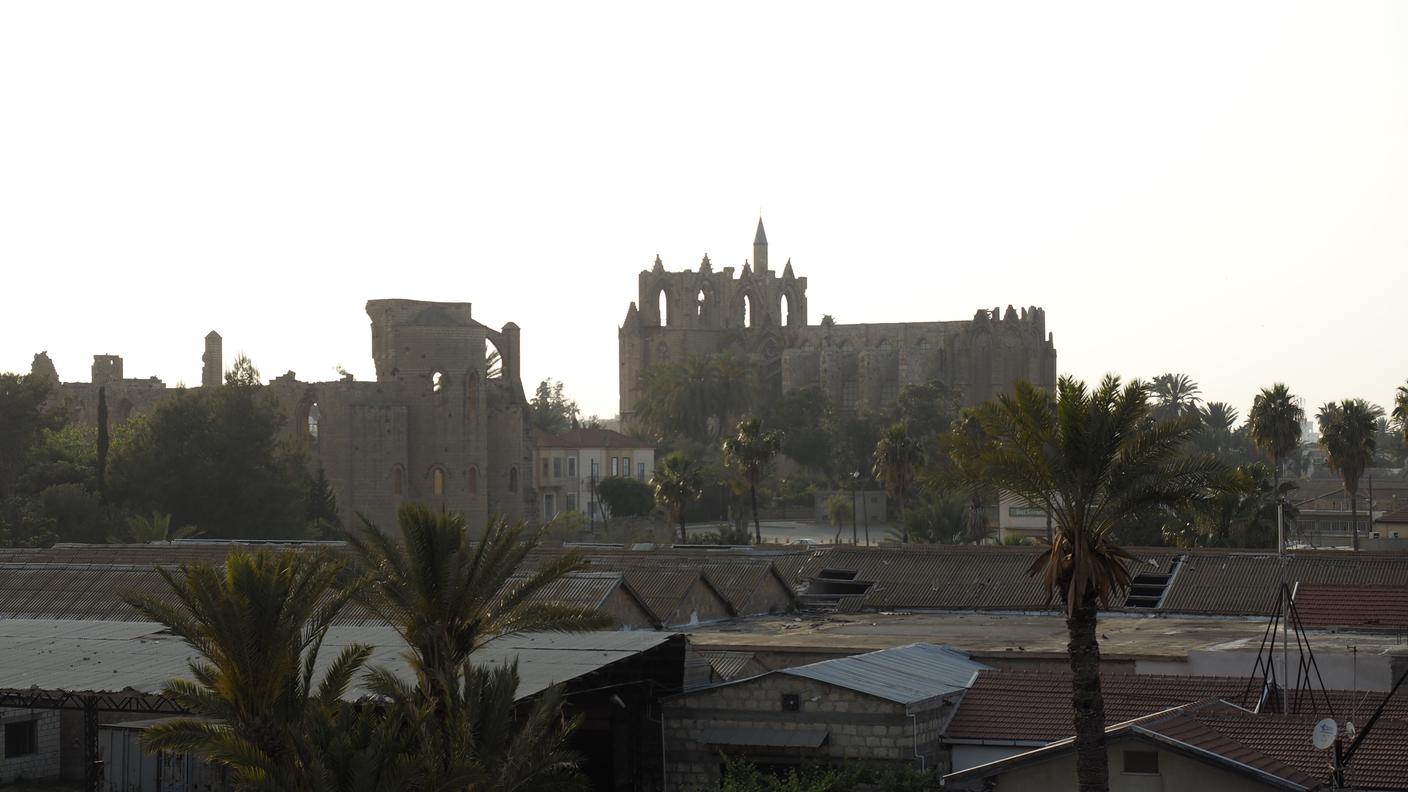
(434, 427)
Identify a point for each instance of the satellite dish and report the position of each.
(1325, 733)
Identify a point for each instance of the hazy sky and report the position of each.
(1215, 188)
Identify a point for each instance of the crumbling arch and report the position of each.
(662, 303)
(785, 310)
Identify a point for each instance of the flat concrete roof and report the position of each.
(994, 635)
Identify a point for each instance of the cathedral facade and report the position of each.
(763, 315)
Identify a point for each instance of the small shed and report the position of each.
(889, 706)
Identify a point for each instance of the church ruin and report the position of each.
(764, 316)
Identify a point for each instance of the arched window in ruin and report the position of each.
(314, 415)
(493, 361)
(513, 479)
(663, 306)
(699, 300)
(396, 480)
(473, 477)
(437, 482)
(437, 382)
(786, 310)
(750, 311)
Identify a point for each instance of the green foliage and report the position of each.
(1239, 510)
(322, 515)
(897, 462)
(242, 374)
(104, 441)
(677, 482)
(933, 518)
(1175, 396)
(692, 402)
(749, 453)
(724, 535)
(804, 417)
(258, 625)
(213, 458)
(927, 410)
(157, 528)
(840, 509)
(550, 411)
(22, 421)
(625, 497)
(1400, 411)
(1274, 423)
(1090, 459)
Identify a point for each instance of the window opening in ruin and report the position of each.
(513, 479)
(437, 382)
(664, 302)
(437, 482)
(396, 480)
(849, 394)
(473, 480)
(748, 312)
(493, 362)
(314, 415)
(21, 738)
(699, 304)
(786, 310)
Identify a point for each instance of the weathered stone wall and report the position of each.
(859, 727)
(434, 427)
(43, 763)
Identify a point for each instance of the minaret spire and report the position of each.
(760, 249)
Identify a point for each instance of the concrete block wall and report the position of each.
(44, 762)
(860, 727)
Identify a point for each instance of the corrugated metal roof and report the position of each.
(112, 656)
(905, 675)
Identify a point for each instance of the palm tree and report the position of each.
(258, 625)
(1274, 423)
(1400, 411)
(156, 528)
(677, 482)
(1092, 459)
(1175, 395)
(749, 452)
(448, 595)
(897, 462)
(963, 447)
(479, 737)
(1347, 433)
(1215, 436)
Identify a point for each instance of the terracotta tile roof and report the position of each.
(1272, 747)
(1399, 515)
(1031, 706)
(1372, 607)
(591, 438)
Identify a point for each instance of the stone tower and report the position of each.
(214, 360)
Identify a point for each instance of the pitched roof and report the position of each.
(1399, 515)
(1191, 730)
(591, 438)
(760, 238)
(1030, 706)
(1371, 607)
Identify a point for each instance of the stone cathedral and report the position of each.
(764, 316)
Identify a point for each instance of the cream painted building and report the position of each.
(567, 467)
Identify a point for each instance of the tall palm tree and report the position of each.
(749, 452)
(257, 625)
(1092, 459)
(448, 595)
(963, 447)
(897, 461)
(1175, 395)
(1215, 435)
(1347, 433)
(1400, 411)
(1274, 423)
(677, 482)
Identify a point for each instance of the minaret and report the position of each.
(214, 360)
(760, 250)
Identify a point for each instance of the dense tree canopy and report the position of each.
(550, 411)
(214, 459)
